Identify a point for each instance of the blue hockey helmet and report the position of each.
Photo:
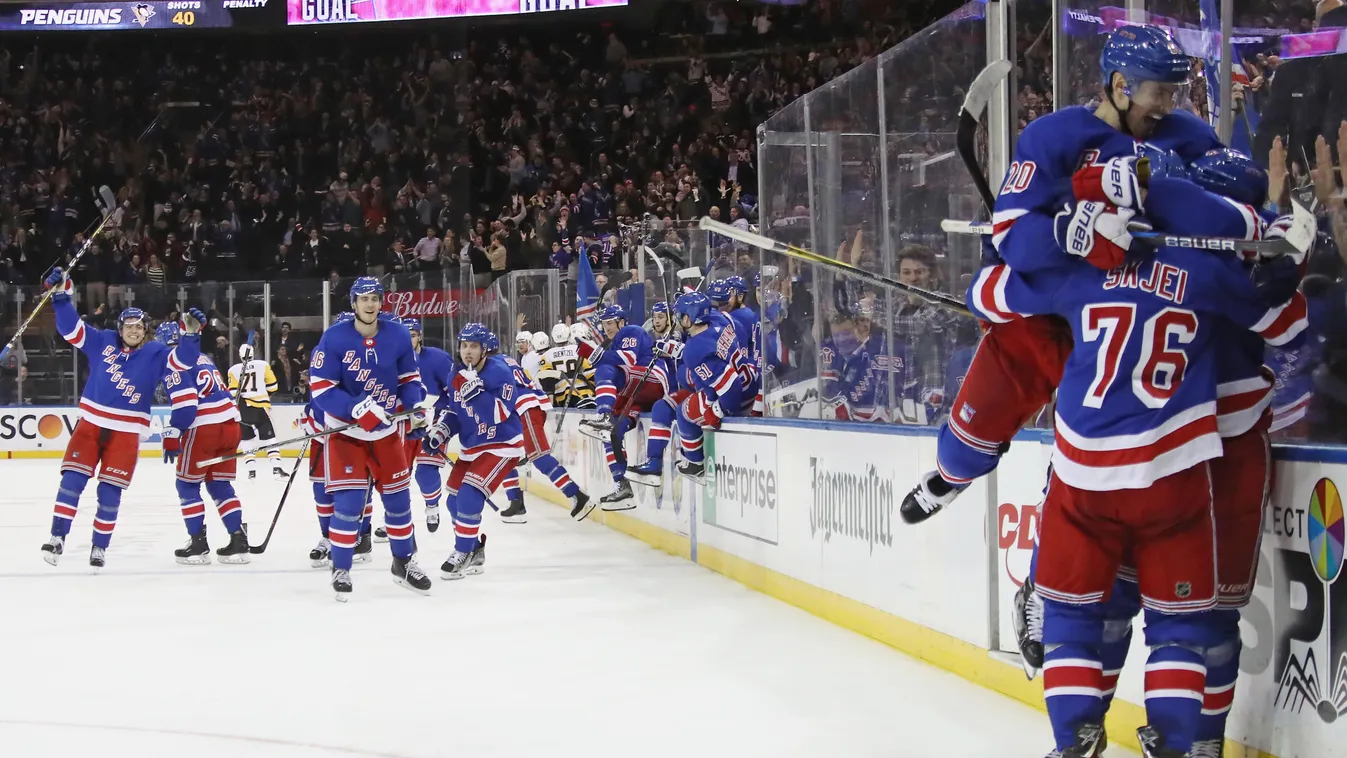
(737, 283)
(412, 324)
(168, 333)
(719, 291)
(492, 343)
(1230, 173)
(659, 307)
(695, 305)
(130, 316)
(612, 313)
(1144, 54)
(475, 332)
(1163, 162)
(366, 285)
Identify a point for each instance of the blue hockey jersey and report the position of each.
(345, 368)
(437, 368)
(1137, 400)
(1038, 183)
(529, 395)
(748, 327)
(485, 419)
(121, 382)
(200, 397)
(630, 350)
(710, 359)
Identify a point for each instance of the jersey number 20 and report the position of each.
(1159, 371)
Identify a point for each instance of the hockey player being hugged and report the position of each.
(252, 382)
(204, 424)
(481, 412)
(436, 367)
(531, 360)
(362, 372)
(566, 377)
(628, 361)
(663, 415)
(1075, 183)
(709, 359)
(124, 368)
(532, 404)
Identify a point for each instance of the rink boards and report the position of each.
(807, 512)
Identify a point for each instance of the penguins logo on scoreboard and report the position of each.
(142, 12)
(1310, 640)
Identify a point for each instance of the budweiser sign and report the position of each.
(422, 303)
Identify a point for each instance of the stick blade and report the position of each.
(984, 84)
(692, 272)
(1301, 235)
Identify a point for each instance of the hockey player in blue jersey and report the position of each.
(362, 372)
(532, 405)
(1076, 179)
(729, 295)
(124, 368)
(481, 412)
(663, 415)
(436, 367)
(203, 424)
(709, 356)
(629, 361)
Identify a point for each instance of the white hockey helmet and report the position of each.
(540, 341)
(524, 337)
(561, 334)
(580, 331)
(245, 352)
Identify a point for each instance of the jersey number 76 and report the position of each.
(1159, 371)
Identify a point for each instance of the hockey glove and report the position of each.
(61, 285)
(307, 423)
(1114, 183)
(471, 385)
(1277, 231)
(369, 415)
(1096, 232)
(172, 444)
(192, 320)
(669, 349)
(438, 434)
(713, 416)
(1277, 279)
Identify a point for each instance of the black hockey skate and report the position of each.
(599, 428)
(515, 513)
(581, 505)
(650, 473)
(694, 471)
(1027, 619)
(196, 552)
(381, 534)
(364, 549)
(279, 474)
(52, 549)
(321, 554)
(1153, 745)
(98, 558)
(236, 552)
(619, 499)
(341, 584)
(925, 500)
(460, 565)
(432, 518)
(1090, 743)
(407, 574)
(252, 474)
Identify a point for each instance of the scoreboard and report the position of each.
(143, 14)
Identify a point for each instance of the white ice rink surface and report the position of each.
(576, 641)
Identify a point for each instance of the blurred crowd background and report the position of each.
(459, 157)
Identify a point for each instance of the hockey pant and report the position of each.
(1014, 372)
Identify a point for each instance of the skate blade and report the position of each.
(197, 561)
(452, 575)
(1029, 671)
(51, 558)
(514, 519)
(342, 596)
(407, 585)
(621, 505)
(362, 557)
(584, 512)
(649, 480)
(698, 479)
(234, 560)
(595, 434)
(380, 540)
(324, 563)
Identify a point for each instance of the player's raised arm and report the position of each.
(73, 329)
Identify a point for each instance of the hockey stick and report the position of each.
(1299, 237)
(766, 243)
(109, 202)
(965, 137)
(297, 440)
(262, 548)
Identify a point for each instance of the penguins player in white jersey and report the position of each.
(252, 382)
